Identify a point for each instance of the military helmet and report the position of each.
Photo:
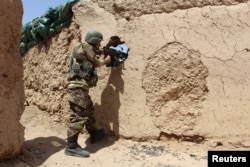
(93, 37)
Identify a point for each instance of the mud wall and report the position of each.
(186, 76)
(11, 79)
(133, 8)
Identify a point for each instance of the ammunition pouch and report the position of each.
(82, 69)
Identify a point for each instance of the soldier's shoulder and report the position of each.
(85, 45)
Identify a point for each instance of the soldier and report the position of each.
(82, 76)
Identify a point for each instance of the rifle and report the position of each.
(117, 57)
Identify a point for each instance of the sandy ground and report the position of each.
(45, 141)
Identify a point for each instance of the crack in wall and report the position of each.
(223, 88)
(133, 8)
(225, 39)
(189, 138)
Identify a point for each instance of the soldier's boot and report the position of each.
(96, 135)
(74, 149)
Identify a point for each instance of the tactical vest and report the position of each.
(79, 67)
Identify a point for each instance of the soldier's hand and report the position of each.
(107, 59)
(101, 51)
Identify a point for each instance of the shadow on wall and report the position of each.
(108, 111)
(35, 152)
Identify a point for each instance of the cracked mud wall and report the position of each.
(187, 72)
(11, 80)
(134, 8)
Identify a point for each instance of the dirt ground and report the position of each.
(45, 141)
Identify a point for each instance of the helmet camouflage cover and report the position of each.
(93, 37)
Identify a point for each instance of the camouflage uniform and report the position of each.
(81, 106)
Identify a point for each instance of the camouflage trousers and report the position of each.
(81, 111)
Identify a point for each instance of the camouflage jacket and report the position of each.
(84, 60)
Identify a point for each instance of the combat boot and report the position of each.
(74, 149)
(96, 135)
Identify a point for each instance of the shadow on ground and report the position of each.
(35, 152)
(104, 142)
